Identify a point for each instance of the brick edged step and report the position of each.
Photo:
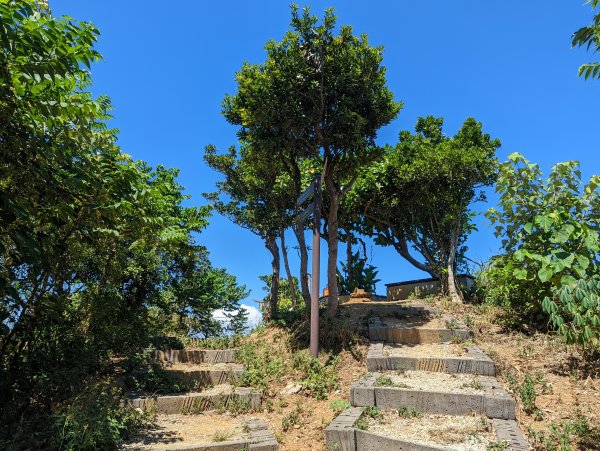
(394, 331)
(494, 402)
(341, 435)
(238, 398)
(475, 362)
(195, 355)
(203, 375)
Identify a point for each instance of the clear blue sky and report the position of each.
(508, 63)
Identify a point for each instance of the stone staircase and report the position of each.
(427, 382)
(216, 403)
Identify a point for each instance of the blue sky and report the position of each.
(508, 63)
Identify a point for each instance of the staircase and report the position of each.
(428, 388)
(214, 416)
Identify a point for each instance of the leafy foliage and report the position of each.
(550, 234)
(359, 275)
(97, 252)
(589, 37)
(575, 312)
(419, 195)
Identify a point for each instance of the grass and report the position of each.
(221, 436)
(406, 412)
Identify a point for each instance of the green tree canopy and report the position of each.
(419, 195)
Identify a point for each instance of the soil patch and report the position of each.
(189, 430)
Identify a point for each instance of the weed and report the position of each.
(400, 369)
(513, 383)
(369, 412)
(283, 403)
(221, 436)
(546, 387)
(452, 324)
(269, 405)
(468, 320)
(526, 352)
(319, 378)
(292, 418)
(384, 381)
(475, 384)
(406, 412)
(498, 445)
(373, 412)
(528, 394)
(339, 405)
(561, 436)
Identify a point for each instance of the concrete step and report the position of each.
(201, 432)
(434, 393)
(344, 435)
(205, 374)
(435, 357)
(195, 355)
(220, 398)
(417, 329)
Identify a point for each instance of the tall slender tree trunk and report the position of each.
(271, 245)
(349, 257)
(286, 265)
(299, 232)
(332, 250)
(453, 290)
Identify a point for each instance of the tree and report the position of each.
(91, 242)
(320, 97)
(419, 195)
(550, 231)
(253, 198)
(590, 38)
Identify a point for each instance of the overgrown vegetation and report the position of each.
(97, 251)
(550, 234)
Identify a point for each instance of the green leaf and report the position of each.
(545, 274)
(545, 222)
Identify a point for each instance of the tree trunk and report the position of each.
(332, 250)
(453, 290)
(349, 257)
(299, 232)
(271, 245)
(286, 265)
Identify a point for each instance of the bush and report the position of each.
(575, 312)
(96, 420)
(551, 238)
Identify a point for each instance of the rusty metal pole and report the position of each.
(316, 270)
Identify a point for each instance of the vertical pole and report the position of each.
(316, 271)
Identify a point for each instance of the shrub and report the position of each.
(575, 312)
(551, 238)
(95, 420)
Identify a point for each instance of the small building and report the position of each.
(399, 291)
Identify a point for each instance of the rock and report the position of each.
(361, 294)
(291, 389)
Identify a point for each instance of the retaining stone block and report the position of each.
(479, 363)
(195, 355)
(208, 377)
(378, 331)
(342, 435)
(198, 402)
(495, 402)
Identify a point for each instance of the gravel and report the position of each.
(432, 350)
(472, 433)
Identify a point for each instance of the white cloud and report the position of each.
(254, 316)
